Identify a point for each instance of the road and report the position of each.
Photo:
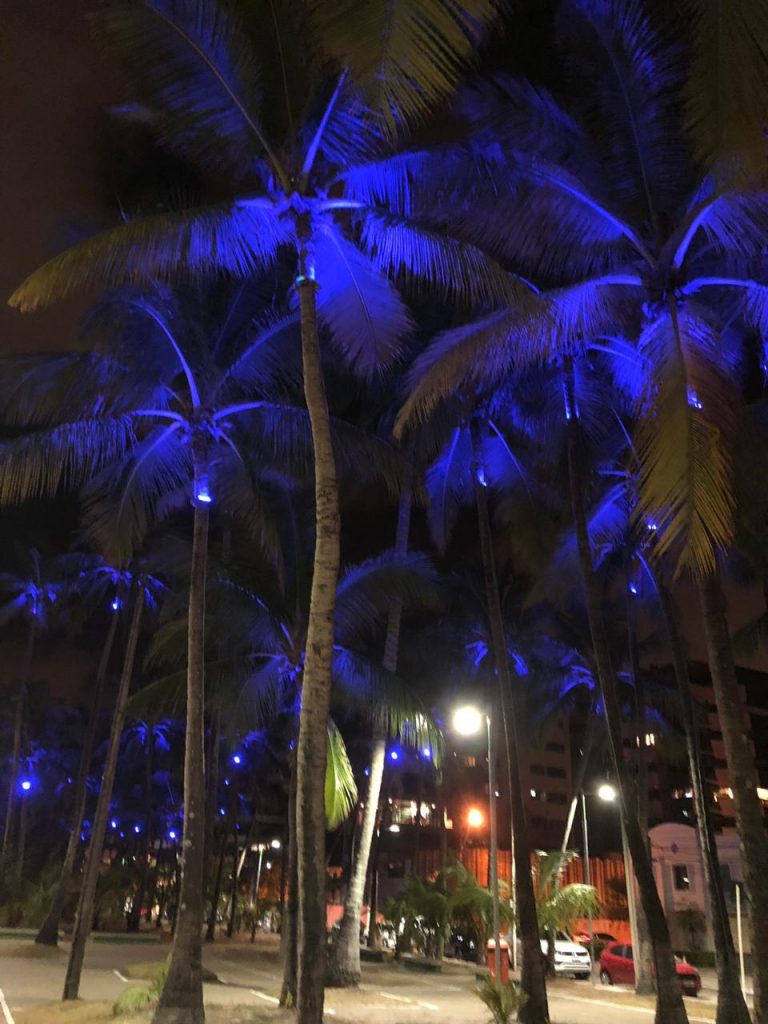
(389, 993)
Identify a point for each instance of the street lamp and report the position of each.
(468, 721)
(609, 794)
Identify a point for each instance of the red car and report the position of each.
(617, 967)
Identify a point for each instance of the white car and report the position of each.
(570, 958)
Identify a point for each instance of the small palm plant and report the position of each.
(503, 1000)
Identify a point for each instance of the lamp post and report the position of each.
(608, 794)
(468, 721)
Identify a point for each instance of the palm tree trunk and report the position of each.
(48, 934)
(644, 955)
(670, 1008)
(211, 796)
(181, 1001)
(87, 900)
(532, 977)
(290, 922)
(740, 758)
(344, 957)
(316, 682)
(18, 733)
(581, 774)
(731, 1005)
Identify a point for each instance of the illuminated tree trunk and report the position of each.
(739, 756)
(731, 1006)
(87, 900)
(181, 1001)
(290, 923)
(316, 680)
(344, 957)
(48, 935)
(669, 1003)
(532, 976)
(18, 733)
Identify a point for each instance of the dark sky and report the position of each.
(53, 91)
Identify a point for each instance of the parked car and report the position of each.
(583, 937)
(571, 959)
(617, 967)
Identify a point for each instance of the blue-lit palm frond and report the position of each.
(415, 254)
(449, 485)
(364, 312)
(240, 238)
(45, 463)
(271, 357)
(636, 74)
(731, 222)
(193, 63)
(367, 591)
(685, 437)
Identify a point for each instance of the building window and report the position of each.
(538, 769)
(556, 748)
(556, 773)
(681, 877)
(470, 761)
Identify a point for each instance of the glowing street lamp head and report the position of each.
(275, 844)
(468, 720)
(475, 818)
(607, 793)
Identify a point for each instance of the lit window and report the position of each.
(681, 877)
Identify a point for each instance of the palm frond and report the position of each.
(366, 592)
(684, 439)
(239, 239)
(406, 56)
(414, 254)
(45, 463)
(727, 81)
(270, 355)
(635, 76)
(449, 486)
(340, 787)
(731, 220)
(362, 309)
(197, 69)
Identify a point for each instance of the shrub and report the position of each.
(503, 1001)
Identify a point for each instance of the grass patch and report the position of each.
(151, 970)
(76, 1012)
(31, 951)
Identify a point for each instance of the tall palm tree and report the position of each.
(28, 594)
(321, 188)
(139, 590)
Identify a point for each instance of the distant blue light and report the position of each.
(481, 476)
(693, 400)
(116, 604)
(203, 494)
(113, 823)
(427, 751)
(137, 829)
(632, 587)
(237, 759)
(26, 785)
(653, 525)
(171, 834)
(226, 782)
(222, 812)
(393, 755)
(367, 771)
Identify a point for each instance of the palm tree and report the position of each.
(139, 589)
(28, 594)
(558, 906)
(324, 190)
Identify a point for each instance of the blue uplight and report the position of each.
(26, 785)
(222, 812)
(427, 751)
(116, 605)
(137, 829)
(203, 494)
(632, 587)
(693, 400)
(237, 759)
(113, 823)
(481, 476)
(393, 755)
(171, 834)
